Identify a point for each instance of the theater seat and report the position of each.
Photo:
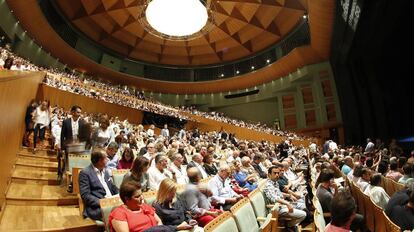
(118, 176)
(107, 205)
(246, 219)
(223, 223)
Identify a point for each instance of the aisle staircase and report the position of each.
(36, 202)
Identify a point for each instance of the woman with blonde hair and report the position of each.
(170, 209)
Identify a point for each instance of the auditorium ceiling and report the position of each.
(240, 29)
(320, 18)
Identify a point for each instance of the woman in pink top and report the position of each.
(393, 173)
(127, 158)
(133, 215)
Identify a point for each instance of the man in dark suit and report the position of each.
(95, 183)
(73, 129)
(257, 159)
(197, 162)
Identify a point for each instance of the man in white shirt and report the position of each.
(223, 194)
(159, 172)
(370, 146)
(113, 157)
(178, 170)
(165, 132)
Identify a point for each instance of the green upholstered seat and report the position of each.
(107, 205)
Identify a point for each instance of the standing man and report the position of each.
(72, 127)
(73, 131)
(165, 132)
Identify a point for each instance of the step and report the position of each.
(45, 218)
(40, 151)
(35, 194)
(52, 158)
(35, 162)
(23, 174)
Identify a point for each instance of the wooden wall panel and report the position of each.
(290, 121)
(288, 102)
(327, 88)
(67, 100)
(307, 95)
(331, 112)
(17, 89)
(310, 117)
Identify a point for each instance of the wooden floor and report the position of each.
(36, 202)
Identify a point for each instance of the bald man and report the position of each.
(198, 163)
(221, 188)
(195, 199)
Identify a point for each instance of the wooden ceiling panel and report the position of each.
(109, 3)
(178, 51)
(249, 33)
(199, 60)
(265, 15)
(259, 42)
(126, 37)
(248, 10)
(105, 22)
(119, 16)
(171, 59)
(143, 55)
(89, 27)
(135, 29)
(284, 23)
(321, 15)
(201, 50)
(237, 26)
(70, 9)
(174, 43)
(149, 47)
(90, 5)
(235, 52)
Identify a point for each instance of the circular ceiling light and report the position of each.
(177, 19)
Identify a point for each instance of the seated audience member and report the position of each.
(257, 160)
(399, 198)
(411, 159)
(209, 165)
(347, 167)
(247, 166)
(403, 215)
(326, 192)
(365, 178)
(393, 173)
(243, 178)
(274, 195)
(326, 189)
(198, 163)
(159, 172)
(178, 170)
(139, 173)
(95, 183)
(223, 194)
(170, 209)
(134, 215)
(376, 192)
(113, 157)
(195, 199)
(355, 174)
(126, 160)
(408, 173)
(343, 210)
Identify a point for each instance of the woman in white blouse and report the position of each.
(103, 134)
(376, 192)
(41, 119)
